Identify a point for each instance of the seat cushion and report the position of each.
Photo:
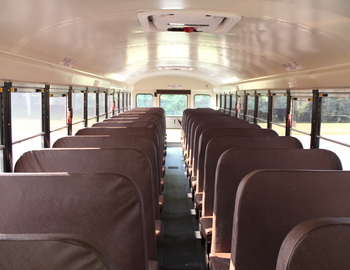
(220, 261)
(206, 224)
(198, 197)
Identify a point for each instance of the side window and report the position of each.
(144, 100)
(202, 101)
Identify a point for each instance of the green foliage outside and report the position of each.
(202, 101)
(335, 110)
(144, 100)
(174, 105)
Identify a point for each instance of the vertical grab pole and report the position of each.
(288, 113)
(316, 119)
(86, 114)
(7, 127)
(97, 104)
(269, 110)
(70, 111)
(45, 98)
(256, 107)
(106, 103)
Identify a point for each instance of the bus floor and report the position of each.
(181, 246)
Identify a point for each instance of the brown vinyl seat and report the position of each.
(322, 244)
(80, 204)
(234, 164)
(133, 142)
(209, 134)
(105, 141)
(208, 114)
(216, 124)
(218, 145)
(270, 203)
(136, 123)
(130, 131)
(129, 162)
(196, 120)
(200, 124)
(52, 251)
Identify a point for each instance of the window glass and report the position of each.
(251, 106)
(240, 107)
(301, 120)
(301, 115)
(222, 103)
(202, 101)
(26, 122)
(144, 100)
(263, 108)
(76, 127)
(121, 101)
(227, 102)
(335, 118)
(58, 112)
(102, 104)
(110, 105)
(91, 105)
(279, 106)
(174, 105)
(234, 102)
(78, 106)
(335, 125)
(26, 115)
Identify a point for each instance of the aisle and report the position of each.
(179, 249)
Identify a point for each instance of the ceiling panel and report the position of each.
(105, 37)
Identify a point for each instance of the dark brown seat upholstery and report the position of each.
(204, 126)
(196, 120)
(77, 203)
(218, 145)
(209, 134)
(52, 251)
(321, 244)
(138, 123)
(234, 164)
(130, 131)
(271, 203)
(133, 142)
(200, 124)
(129, 162)
(105, 141)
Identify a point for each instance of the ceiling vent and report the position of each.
(187, 21)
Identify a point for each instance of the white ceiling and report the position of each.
(105, 37)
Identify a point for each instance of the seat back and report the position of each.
(219, 145)
(129, 162)
(77, 203)
(123, 131)
(202, 125)
(104, 141)
(270, 204)
(210, 133)
(234, 164)
(52, 251)
(322, 243)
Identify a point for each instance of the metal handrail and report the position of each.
(28, 138)
(333, 141)
(57, 129)
(300, 131)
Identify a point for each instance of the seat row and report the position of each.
(99, 190)
(226, 154)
